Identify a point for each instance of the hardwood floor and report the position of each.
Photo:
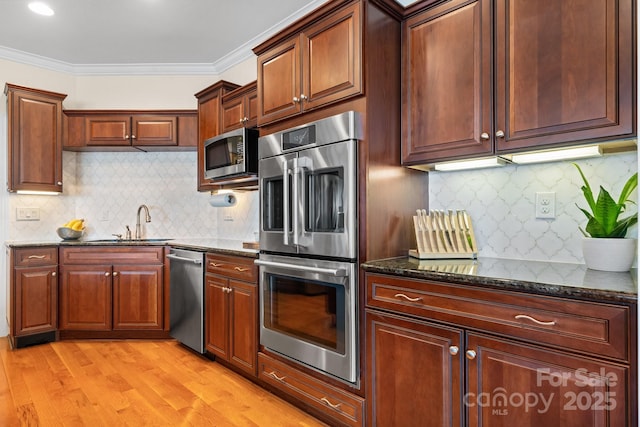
(131, 383)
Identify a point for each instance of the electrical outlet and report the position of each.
(28, 214)
(546, 205)
(227, 218)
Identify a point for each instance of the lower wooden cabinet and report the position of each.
(438, 361)
(111, 288)
(338, 406)
(231, 311)
(32, 305)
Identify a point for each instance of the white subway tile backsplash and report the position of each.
(106, 189)
(501, 204)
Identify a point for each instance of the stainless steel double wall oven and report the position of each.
(309, 244)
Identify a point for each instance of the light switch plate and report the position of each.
(28, 214)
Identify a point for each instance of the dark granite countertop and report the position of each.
(545, 278)
(223, 246)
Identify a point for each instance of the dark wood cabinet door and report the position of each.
(36, 300)
(564, 71)
(414, 372)
(511, 384)
(332, 58)
(137, 297)
(85, 297)
(217, 316)
(232, 114)
(154, 130)
(34, 120)
(447, 82)
(279, 82)
(112, 130)
(243, 312)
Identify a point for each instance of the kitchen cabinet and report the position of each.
(32, 304)
(336, 406)
(209, 123)
(231, 311)
(557, 83)
(240, 108)
(319, 65)
(130, 130)
(34, 142)
(112, 289)
(573, 356)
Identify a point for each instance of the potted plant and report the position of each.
(605, 246)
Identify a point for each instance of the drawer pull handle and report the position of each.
(408, 298)
(213, 264)
(539, 322)
(336, 406)
(240, 269)
(273, 374)
(37, 256)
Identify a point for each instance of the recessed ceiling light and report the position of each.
(40, 8)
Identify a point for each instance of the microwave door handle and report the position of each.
(285, 201)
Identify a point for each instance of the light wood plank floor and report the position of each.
(131, 383)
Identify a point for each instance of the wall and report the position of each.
(107, 188)
(501, 204)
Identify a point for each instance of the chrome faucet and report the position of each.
(147, 219)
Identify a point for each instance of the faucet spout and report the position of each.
(147, 219)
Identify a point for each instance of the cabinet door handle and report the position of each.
(408, 298)
(115, 273)
(126, 137)
(303, 97)
(453, 350)
(471, 354)
(273, 375)
(240, 269)
(53, 274)
(59, 182)
(336, 406)
(484, 135)
(500, 134)
(296, 99)
(107, 274)
(539, 322)
(133, 137)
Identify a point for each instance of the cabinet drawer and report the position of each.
(344, 407)
(589, 327)
(230, 266)
(111, 254)
(26, 257)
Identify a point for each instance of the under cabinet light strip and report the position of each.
(38, 193)
(555, 155)
(470, 164)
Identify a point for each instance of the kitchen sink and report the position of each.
(126, 241)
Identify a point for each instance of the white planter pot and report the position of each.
(609, 254)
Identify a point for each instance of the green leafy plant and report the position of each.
(604, 219)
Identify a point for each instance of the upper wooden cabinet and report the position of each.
(319, 65)
(209, 123)
(240, 108)
(558, 73)
(141, 130)
(34, 122)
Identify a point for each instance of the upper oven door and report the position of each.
(308, 201)
(326, 193)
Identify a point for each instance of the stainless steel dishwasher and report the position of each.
(186, 298)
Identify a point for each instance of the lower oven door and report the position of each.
(308, 312)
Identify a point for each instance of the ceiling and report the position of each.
(143, 36)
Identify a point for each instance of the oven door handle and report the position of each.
(285, 202)
(338, 272)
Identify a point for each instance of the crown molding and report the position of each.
(228, 61)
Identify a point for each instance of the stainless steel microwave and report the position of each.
(232, 153)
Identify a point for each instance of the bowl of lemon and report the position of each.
(72, 230)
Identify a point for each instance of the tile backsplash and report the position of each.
(501, 204)
(107, 188)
